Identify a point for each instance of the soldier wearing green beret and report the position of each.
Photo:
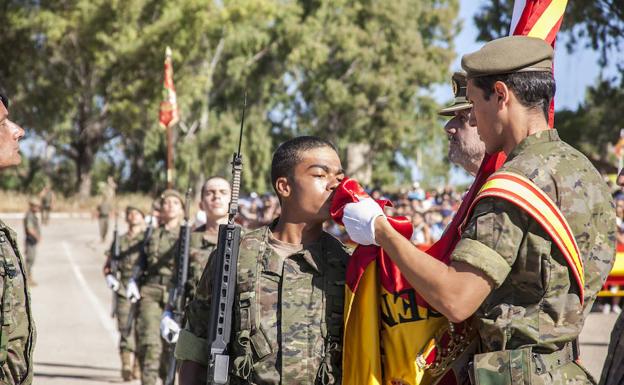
(18, 328)
(151, 287)
(528, 285)
(130, 248)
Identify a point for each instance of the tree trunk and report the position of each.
(84, 166)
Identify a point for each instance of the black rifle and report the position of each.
(114, 263)
(178, 296)
(137, 275)
(224, 279)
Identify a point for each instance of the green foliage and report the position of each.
(89, 74)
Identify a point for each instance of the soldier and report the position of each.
(613, 370)
(130, 248)
(33, 236)
(103, 213)
(18, 328)
(287, 326)
(151, 287)
(215, 200)
(47, 202)
(540, 241)
(465, 148)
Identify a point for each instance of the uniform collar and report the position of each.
(312, 253)
(544, 136)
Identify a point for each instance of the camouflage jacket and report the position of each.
(535, 301)
(161, 252)
(129, 253)
(287, 324)
(17, 333)
(200, 249)
(31, 223)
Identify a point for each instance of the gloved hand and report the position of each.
(359, 220)
(169, 328)
(112, 282)
(132, 291)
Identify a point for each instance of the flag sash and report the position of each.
(527, 196)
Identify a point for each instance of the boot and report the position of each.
(126, 366)
(136, 370)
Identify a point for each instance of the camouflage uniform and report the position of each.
(528, 323)
(200, 249)
(103, 210)
(161, 250)
(287, 324)
(31, 223)
(46, 206)
(18, 329)
(613, 370)
(129, 253)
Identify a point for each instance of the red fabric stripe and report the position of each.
(544, 198)
(505, 194)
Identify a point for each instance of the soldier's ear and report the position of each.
(283, 187)
(501, 91)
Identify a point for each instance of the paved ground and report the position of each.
(77, 339)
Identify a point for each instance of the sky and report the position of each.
(573, 72)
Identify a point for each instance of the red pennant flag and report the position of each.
(169, 114)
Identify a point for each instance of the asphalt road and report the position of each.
(77, 338)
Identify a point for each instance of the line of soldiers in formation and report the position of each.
(505, 271)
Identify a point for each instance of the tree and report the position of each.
(91, 72)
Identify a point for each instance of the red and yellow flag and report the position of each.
(168, 114)
(539, 18)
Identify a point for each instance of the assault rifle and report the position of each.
(114, 263)
(178, 295)
(224, 279)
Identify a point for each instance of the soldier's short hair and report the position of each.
(203, 188)
(533, 89)
(288, 155)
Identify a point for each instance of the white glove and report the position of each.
(112, 282)
(132, 291)
(359, 220)
(169, 329)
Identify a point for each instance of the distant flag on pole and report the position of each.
(169, 114)
(539, 18)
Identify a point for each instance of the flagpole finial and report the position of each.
(168, 51)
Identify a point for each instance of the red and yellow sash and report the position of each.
(530, 198)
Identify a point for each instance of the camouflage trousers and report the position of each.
(45, 215)
(522, 367)
(151, 349)
(126, 342)
(103, 226)
(30, 250)
(613, 370)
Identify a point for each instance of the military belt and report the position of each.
(550, 361)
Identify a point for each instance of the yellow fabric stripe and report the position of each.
(548, 19)
(540, 208)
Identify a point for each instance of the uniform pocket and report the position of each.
(504, 367)
(260, 344)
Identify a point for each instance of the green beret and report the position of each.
(172, 193)
(508, 55)
(459, 82)
(130, 208)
